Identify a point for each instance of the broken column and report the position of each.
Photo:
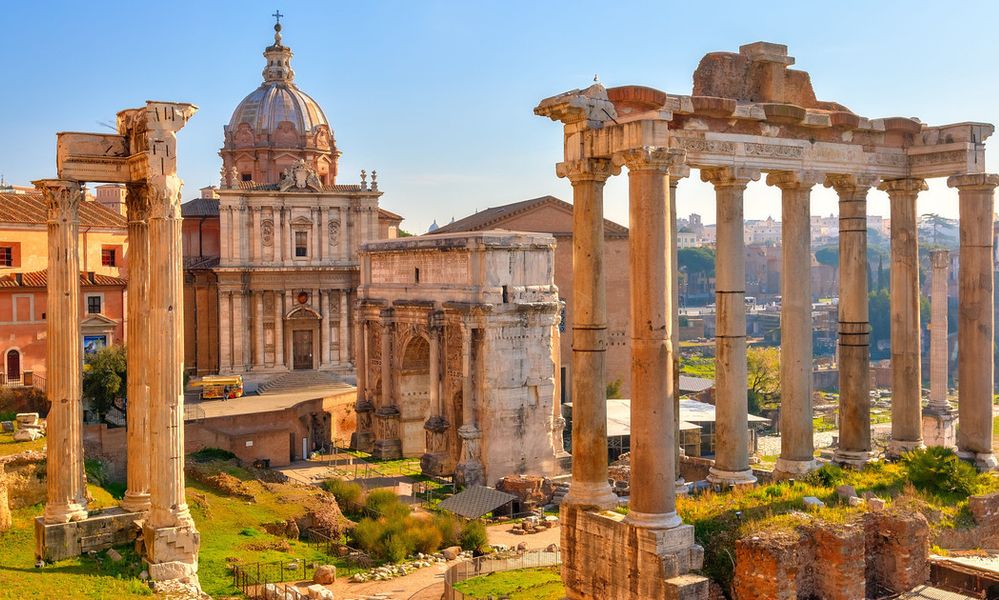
(938, 416)
(732, 423)
(797, 445)
(975, 343)
(854, 329)
(67, 497)
(653, 418)
(170, 537)
(137, 411)
(589, 487)
(906, 368)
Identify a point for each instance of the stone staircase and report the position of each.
(297, 381)
(560, 489)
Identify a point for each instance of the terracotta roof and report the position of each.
(387, 214)
(30, 209)
(200, 207)
(492, 218)
(39, 279)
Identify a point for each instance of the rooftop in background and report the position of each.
(39, 279)
(475, 501)
(28, 208)
(493, 218)
(692, 412)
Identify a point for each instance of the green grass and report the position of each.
(83, 577)
(8, 446)
(823, 424)
(542, 583)
(698, 366)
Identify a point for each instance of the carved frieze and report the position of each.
(705, 146)
(334, 233)
(773, 150)
(938, 158)
(267, 232)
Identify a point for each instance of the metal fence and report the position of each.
(264, 580)
(484, 565)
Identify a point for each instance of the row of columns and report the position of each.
(245, 349)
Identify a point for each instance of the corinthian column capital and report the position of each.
(165, 196)
(974, 181)
(730, 177)
(651, 158)
(587, 169)
(847, 185)
(794, 180)
(62, 197)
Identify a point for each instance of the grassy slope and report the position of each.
(543, 583)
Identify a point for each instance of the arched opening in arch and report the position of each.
(414, 395)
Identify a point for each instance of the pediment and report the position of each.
(303, 312)
(98, 322)
(300, 220)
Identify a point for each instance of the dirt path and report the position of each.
(428, 582)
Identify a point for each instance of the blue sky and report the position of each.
(438, 96)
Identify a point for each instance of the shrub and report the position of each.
(450, 529)
(938, 470)
(394, 548)
(424, 536)
(385, 503)
(349, 496)
(828, 475)
(210, 454)
(474, 537)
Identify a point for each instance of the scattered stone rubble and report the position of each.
(29, 427)
(533, 525)
(385, 572)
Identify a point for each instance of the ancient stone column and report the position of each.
(731, 405)
(67, 496)
(470, 470)
(387, 441)
(677, 171)
(258, 247)
(975, 324)
(287, 244)
(906, 368)
(258, 328)
(938, 417)
(854, 329)
(363, 436)
(344, 327)
(278, 329)
(324, 331)
(225, 331)
(435, 458)
(653, 418)
(797, 445)
(137, 411)
(589, 487)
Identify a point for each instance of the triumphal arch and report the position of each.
(458, 350)
(143, 156)
(748, 115)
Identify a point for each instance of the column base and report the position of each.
(434, 464)
(853, 458)
(787, 467)
(899, 448)
(64, 512)
(983, 461)
(583, 494)
(725, 478)
(470, 473)
(136, 502)
(172, 553)
(363, 441)
(653, 520)
(939, 427)
(387, 449)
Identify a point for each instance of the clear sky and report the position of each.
(438, 96)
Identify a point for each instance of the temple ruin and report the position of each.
(750, 114)
(143, 156)
(458, 350)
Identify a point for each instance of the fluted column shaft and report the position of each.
(137, 414)
(940, 260)
(906, 342)
(225, 331)
(67, 498)
(166, 328)
(653, 420)
(731, 404)
(258, 328)
(677, 171)
(797, 444)
(854, 327)
(589, 487)
(975, 340)
(344, 327)
(278, 329)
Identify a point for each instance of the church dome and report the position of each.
(277, 101)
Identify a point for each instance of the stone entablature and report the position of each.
(457, 354)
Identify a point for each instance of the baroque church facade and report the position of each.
(286, 273)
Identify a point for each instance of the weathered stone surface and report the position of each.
(530, 489)
(985, 509)
(845, 492)
(29, 428)
(812, 503)
(839, 574)
(773, 567)
(59, 541)
(451, 552)
(896, 550)
(324, 575)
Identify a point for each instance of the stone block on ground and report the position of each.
(451, 552)
(855, 501)
(324, 575)
(812, 503)
(876, 504)
(845, 492)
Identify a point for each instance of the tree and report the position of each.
(697, 260)
(879, 314)
(763, 368)
(828, 255)
(942, 229)
(104, 377)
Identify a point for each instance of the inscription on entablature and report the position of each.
(938, 158)
(887, 159)
(706, 146)
(837, 154)
(773, 150)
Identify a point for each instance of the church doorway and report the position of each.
(302, 348)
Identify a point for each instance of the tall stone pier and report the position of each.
(938, 416)
(975, 343)
(854, 329)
